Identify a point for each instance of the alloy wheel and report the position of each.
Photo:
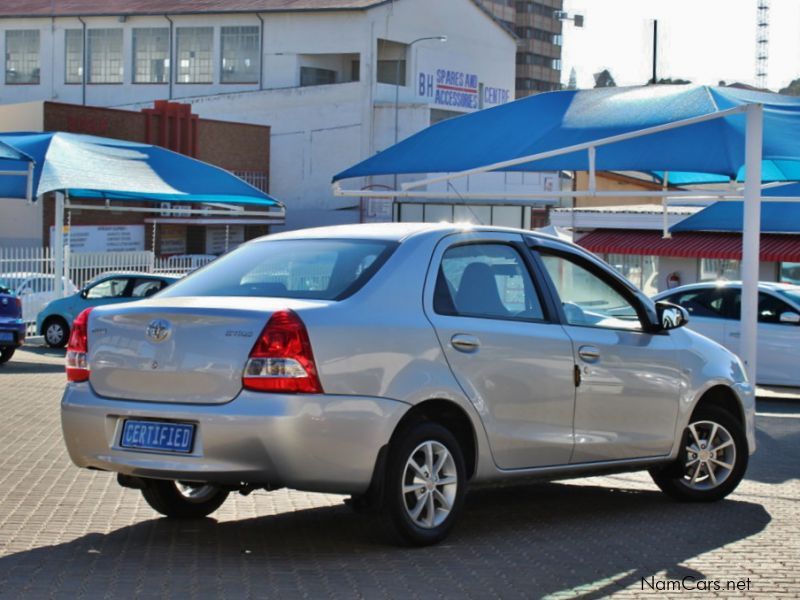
(196, 492)
(710, 455)
(430, 483)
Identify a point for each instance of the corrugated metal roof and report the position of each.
(63, 8)
(774, 248)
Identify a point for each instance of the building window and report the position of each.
(73, 56)
(240, 54)
(713, 269)
(22, 56)
(105, 55)
(315, 76)
(195, 54)
(529, 58)
(789, 272)
(528, 84)
(151, 55)
(391, 62)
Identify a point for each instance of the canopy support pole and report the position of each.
(751, 238)
(665, 207)
(592, 174)
(58, 246)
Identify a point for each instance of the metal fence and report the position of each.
(30, 272)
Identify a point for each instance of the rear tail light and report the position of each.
(281, 360)
(18, 301)
(78, 348)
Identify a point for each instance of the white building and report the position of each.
(321, 73)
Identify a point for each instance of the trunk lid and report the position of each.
(183, 350)
(8, 306)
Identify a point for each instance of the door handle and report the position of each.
(735, 334)
(465, 343)
(589, 353)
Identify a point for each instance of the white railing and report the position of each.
(30, 272)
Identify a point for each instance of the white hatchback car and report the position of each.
(715, 307)
(400, 364)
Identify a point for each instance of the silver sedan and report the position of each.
(400, 364)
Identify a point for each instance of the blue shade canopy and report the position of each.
(776, 217)
(554, 120)
(94, 167)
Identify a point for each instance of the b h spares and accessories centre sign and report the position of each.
(449, 89)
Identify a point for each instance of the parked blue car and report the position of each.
(54, 321)
(12, 327)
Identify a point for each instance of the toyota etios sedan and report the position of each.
(400, 364)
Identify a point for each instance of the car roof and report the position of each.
(762, 285)
(395, 232)
(131, 274)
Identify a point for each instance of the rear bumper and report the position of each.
(310, 442)
(15, 326)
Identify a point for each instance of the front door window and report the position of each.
(588, 300)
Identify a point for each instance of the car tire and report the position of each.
(416, 497)
(56, 332)
(6, 353)
(183, 500)
(712, 460)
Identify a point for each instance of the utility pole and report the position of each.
(654, 80)
(762, 43)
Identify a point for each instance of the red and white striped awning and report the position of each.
(774, 247)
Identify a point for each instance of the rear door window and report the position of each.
(487, 281)
(145, 287)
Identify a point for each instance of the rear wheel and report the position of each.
(183, 499)
(425, 484)
(56, 332)
(712, 461)
(6, 353)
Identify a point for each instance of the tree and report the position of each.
(671, 81)
(793, 89)
(604, 79)
(573, 80)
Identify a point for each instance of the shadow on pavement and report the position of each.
(777, 443)
(30, 367)
(45, 351)
(538, 539)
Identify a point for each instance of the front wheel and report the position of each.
(425, 484)
(183, 500)
(712, 462)
(6, 353)
(56, 332)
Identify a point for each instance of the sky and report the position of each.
(704, 41)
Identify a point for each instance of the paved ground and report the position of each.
(70, 533)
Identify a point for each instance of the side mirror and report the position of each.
(671, 316)
(84, 293)
(790, 317)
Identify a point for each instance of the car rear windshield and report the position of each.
(312, 269)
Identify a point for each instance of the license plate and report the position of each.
(6, 336)
(154, 435)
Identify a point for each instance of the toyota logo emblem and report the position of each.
(158, 330)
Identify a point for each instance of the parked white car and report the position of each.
(400, 363)
(35, 290)
(715, 307)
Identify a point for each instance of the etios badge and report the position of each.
(158, 330)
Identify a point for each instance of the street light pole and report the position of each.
(441, 38)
